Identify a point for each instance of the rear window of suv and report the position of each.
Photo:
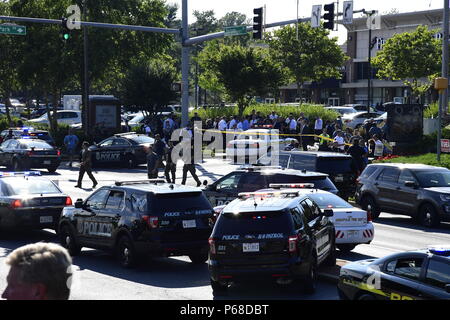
(334, 165)
(263, 221)
(183, 203)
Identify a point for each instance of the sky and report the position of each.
(281, 10)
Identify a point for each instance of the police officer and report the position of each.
(171, 167)
(189, 166)
(152, 158)
(86, 165)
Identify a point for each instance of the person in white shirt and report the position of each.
(318, 126)
(273, 116)
(222, 126)
(292, 125)
(339, 142)
(233, 123)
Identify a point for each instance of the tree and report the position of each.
(313, 56)
(240, 72)
(147, 86)
(410, 57)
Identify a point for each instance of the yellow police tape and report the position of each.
(275, 134)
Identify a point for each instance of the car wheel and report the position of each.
(346, 247)
(428, 216)
(68, 240)
(331, 259)
(309, 283)
(366, 296)
(368, 202)
(219, 288)
(130, 161)
(198, 258)
(126, 253)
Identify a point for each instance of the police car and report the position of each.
(124, 149)
(276, 235)
(411, 275)
(32, 133)
(134, 219)
(252, 178)
(29, 201)
(353, 225)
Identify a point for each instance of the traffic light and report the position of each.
(258, 23)
(328, 16)
(65, 31)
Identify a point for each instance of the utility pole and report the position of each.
(184, 65)
(369, 67)
(85, 113)
(443, 96)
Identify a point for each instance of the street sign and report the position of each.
(14, 30)
(235, 31)
(347, 15)
(316, 16)
(374, 22)
(445, 145)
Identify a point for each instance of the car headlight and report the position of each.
(445, 197)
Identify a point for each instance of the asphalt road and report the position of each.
(99, 277)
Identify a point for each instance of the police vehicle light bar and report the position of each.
(256, 168)
(246, 195)
(155, 181)
(291, 185)
(440, 250)
(19, 173)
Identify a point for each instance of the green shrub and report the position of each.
(429, 159)
(432, 111)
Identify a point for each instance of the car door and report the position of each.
(407, 197)
(400, 281)
(224, 190)
(387, 183)
(318, 226)
(119, 149)
(11, 151)
(101, 154)
(86, 218)
(437, 276)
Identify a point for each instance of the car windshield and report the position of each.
(428, 179)
(19, 186)
(142, 139)
(325, 201)
(38, 144)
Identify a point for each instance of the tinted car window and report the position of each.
(272, 221)
(438, 273)
(251, 182)
(106, 143)
(368, 171)
(389, 175)
(35, 186)
(300, 162)
(309, 214)
(115, 200)
(334, 165)
(297, 218)
(120, 142)
(409, 267)
(229, 183)
(406, 175)
(329, 201)
(138, 202)
(97, 200)
(38, 144)
(428, 179)
(188, 202)
(142, 139)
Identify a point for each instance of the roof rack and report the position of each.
(149, 181)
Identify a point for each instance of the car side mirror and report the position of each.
(411, 184)
(447, 288)
(327, 213)
(79, 203)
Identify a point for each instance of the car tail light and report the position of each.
(29, 153)
(369, 214)
(293, 240)
(212, 245)
(58, 153)
(16, 204)
(152, 222)
(68, 201)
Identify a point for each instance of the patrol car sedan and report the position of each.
(124, 150)
(26, 153)
(421, 274)
(353, 225)
(276, 235)
(29, 201)
(137, 219)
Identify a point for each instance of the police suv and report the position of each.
(140, 218)
(124, 150)
(278, 234)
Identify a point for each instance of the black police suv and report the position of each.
(25, 153)
(134, 219)
(338, 166)
(27, 132)
(422, 274)
(280, 235)
(122, 150)
(252, 178)
(29, 201)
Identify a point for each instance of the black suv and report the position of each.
(123, 150)
(280, 235)
(416, 190)
(338, 166)
(140, 218)
(252, 178)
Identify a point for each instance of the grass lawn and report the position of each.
(429, 158)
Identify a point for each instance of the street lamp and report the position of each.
(371, 45)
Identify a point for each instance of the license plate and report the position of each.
(352, 234)
(189, 224)
(339, 179)
(47, 162)
(250, 247)
(46, 219)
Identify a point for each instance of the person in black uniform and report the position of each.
(171, 167)
(86, 165)
(189, 166)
